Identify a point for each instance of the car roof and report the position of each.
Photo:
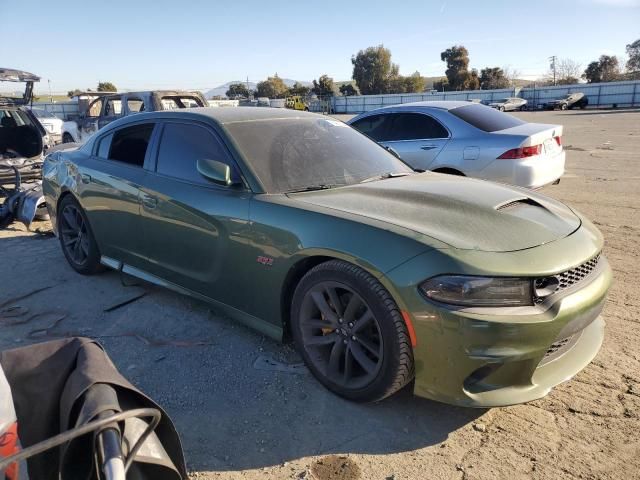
(439, 104)
(226, 115)
(220, 115)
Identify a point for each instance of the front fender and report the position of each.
(71, 128)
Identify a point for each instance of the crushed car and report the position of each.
(107, 108)
(569, 102)
(23, 142)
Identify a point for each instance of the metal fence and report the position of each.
(611, 94)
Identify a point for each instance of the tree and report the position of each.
(633, 51)
(347, 89)
(458, 74)
(324, 86)
(567, 72)
(414, 83)
(441, 85)
(493, 78)
(107, 87)
(373, 70)
(299, 89)
(237, 90)
(74, 92)
(272, 87)
(606, 69)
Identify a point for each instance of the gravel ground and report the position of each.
(241, 417)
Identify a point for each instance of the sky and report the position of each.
(200, 44)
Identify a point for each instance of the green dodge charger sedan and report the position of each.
(298, 225)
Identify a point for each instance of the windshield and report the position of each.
(42, 113)
(485, 118)
(288, 154)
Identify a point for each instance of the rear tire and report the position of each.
(76, 238)
(351, 333)
(67, 138)
(501, 109)
(523, 108)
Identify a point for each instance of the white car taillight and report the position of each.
(521, 152)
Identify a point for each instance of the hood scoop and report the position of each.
(519, 202)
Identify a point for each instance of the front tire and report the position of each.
(76, 238)
(501, 109)
(67, 138)
(351, 333)
(564, 106)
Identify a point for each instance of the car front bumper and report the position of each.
(489, 358)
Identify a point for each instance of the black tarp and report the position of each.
(49, 381)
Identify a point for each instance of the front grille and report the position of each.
(568, 278)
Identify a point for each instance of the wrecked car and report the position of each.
(569, 102)
(302, 227)
(22, 145)
(107, 108)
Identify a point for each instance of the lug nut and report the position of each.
(350, 324)
(353, 337)
(339, 320)
(344, 341)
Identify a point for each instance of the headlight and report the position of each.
(479, 291)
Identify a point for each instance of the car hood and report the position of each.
(460, 212)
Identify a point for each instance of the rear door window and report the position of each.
(485, 118)
(95, 108)
(113, 108)
(135, 104)
(182, 145)
(415, 126)
(129, 144)
(374, 126)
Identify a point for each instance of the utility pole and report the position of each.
(248, 91)
(553, 67)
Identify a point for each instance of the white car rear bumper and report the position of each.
(532, 172)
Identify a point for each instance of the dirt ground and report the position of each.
(246, 411)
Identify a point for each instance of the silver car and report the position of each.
(509, 104)
(465, 138)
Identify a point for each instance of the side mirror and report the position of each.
(215, 171)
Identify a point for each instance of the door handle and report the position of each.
(428, 147)
(85, 178)
(149, 201)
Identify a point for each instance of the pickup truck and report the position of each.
(107, 108)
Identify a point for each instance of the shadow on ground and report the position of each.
(202, 368)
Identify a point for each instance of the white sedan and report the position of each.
(470, 139)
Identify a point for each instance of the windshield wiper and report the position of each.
(384, 176)
(312, 188)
